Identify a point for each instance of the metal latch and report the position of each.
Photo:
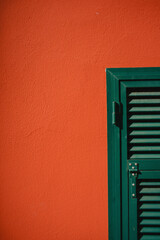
(133, 171)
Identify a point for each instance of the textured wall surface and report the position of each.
(53, 147)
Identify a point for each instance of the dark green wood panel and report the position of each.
(114, 181)
(122, 206)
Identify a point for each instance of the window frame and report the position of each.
(114, 78)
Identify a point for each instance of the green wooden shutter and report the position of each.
(133, 108)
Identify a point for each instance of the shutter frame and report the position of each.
(115, 76)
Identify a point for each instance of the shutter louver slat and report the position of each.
(148, 148)
(143, 113)
(149, 184)
(141, 117)
(150, 198)
(144, 94)
(150, 190)
(150, 214)
(145, 125)
(150, 237)
(148, 132)
(150, 206)
(145, 140)
(147, 156)
(150, 222)
(145, 109)
(150, 230)
(145, 101)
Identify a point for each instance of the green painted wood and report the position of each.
(133, 201)
(114, 180)
(139, 151)
(144, 124)
(131, 74)
(150, 222)
(144, 94)
(145, 140)
(145, 101)
(141, 117)
(148, 166)
(150, 230)
(150, 190)
(132, 213)
(126, 191)
(150, 206)
(150, 237)
(150, 214)
(150, 198)
(144, 109)
(143, 148)
(123, 221)
(147, 132)
(146, 156)
(150, 183)
(153, 173)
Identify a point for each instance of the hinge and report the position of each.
(116, 114)
(133, 171)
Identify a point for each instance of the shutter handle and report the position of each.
(117, 114)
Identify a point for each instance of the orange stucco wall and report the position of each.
(53, 54)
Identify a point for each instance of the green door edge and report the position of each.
(114, 77)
